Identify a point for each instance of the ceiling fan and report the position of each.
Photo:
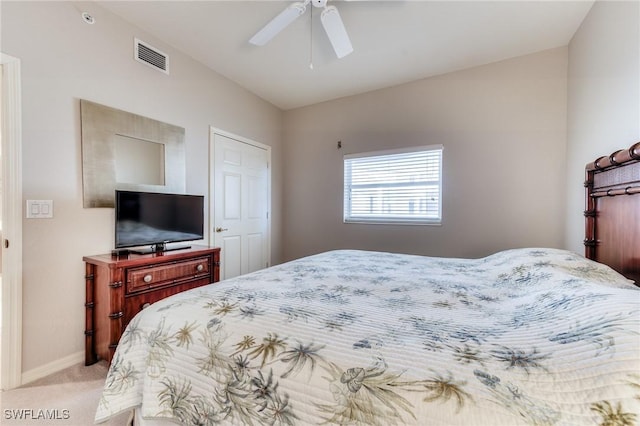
(329, 17)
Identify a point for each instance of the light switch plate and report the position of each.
(39, 209)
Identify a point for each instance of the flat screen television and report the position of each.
(155, 219)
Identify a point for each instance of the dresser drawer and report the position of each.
(137, 302)
(141, 279)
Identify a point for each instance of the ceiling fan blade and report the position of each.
(336, 32)
(277, 24)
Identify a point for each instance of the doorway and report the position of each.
(11, 219)
(240, 203)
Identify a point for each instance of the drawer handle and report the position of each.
(147, 278)
(200, 268)
(146, 305)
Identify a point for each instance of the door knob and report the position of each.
(221, 229)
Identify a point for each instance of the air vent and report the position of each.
(151, 56)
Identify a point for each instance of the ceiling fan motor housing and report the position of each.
(319, 3)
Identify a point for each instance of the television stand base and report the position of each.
(158, 248)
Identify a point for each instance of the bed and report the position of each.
(524, 336)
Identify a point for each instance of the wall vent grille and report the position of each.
(149, 55)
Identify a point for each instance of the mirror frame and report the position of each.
(99, 127)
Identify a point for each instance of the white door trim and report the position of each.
(11, 344)
(215, 131)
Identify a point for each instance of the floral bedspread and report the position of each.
(526, 336)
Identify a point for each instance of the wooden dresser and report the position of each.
(117, 288)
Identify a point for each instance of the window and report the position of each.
(396, 186)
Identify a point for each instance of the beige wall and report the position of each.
(503, 127)
(604, 98)
(63, 60)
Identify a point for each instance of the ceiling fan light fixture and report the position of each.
(277, 24)
(334, 27)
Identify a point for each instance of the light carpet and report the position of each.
(69, 397)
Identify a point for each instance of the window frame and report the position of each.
(379, 220)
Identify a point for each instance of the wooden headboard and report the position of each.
(612, 213)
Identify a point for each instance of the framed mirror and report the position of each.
(121, 150)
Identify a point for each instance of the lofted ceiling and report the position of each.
(394, 41)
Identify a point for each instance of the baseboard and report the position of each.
(52, 367)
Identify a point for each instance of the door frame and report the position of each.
(216, 131)
(11, 342)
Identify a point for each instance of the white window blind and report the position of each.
(397, 186)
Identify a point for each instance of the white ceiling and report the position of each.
(394, 41)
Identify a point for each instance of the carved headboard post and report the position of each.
(612, 215)
(589, 215)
